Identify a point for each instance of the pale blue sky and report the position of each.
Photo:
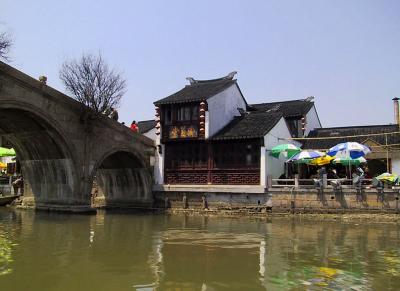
(344, 52)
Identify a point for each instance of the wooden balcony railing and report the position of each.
(214, 176)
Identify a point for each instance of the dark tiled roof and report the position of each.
(351, 131)
(146, 125)
(287, 108)
(250, 125)
(201, 90)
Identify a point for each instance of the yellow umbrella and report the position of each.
(324, 160)
(3, 165)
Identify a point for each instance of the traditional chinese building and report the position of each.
(208, 134)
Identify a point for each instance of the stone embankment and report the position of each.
(283, 201)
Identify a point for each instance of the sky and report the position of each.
(346, 53)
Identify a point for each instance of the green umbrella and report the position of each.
(287, 148)
(349, 161)
(4, 152)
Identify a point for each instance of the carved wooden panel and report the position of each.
(186, 177)
(234, 177)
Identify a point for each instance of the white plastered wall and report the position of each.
(396, 166)
(159, 160)
(312, 120)
(270, 166)
(206, 124)
(222, 108)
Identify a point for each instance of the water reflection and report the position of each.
(122, 251)
(6, 246)
(208, 260)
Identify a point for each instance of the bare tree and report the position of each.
(5, 44)
(91, 82)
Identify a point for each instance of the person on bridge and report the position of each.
(134, 126)
(114, 114)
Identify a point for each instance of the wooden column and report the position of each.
(210, 162)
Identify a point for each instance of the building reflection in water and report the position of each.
(198, 258)
(195, 254)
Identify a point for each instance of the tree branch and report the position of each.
(92, 83)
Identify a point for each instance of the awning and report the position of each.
(5, 152)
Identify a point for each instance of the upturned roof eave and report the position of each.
(238, 137)
(165, 101)
(157, 103)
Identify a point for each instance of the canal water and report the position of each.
(125, 251)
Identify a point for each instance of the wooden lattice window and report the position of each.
(236, 154)
(186, 155)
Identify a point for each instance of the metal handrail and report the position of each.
(345, 183)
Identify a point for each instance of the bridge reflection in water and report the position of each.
(121, 251)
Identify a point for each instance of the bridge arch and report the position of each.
(47, 160)
(122, 178)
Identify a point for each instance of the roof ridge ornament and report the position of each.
(230, 75)
(191, 80)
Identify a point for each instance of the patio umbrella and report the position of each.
(324, 160)
(5, 152)
(306, 156)
(387, 177)
(289, 149)
(349, 161)
(353, 150)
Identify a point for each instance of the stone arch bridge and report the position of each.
(63, 148)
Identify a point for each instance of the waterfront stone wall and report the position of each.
(282, 200)
(329, 200)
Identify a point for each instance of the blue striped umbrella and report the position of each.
(306, 156)
(352, 150)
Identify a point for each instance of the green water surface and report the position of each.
(127, 251)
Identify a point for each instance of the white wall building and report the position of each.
(207, 133)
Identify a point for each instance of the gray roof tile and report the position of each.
(202, 90)
(146, 125)
(287, 108)
(249, 125)
(351, 131)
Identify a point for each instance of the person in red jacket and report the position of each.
(134, 126)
